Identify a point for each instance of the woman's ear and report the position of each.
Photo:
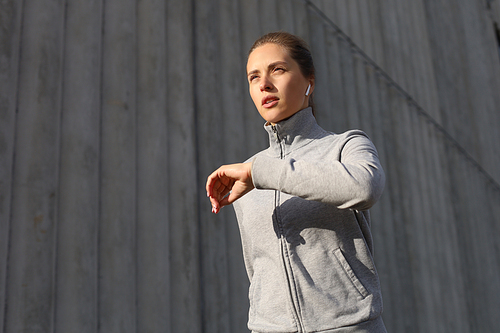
(310, 87)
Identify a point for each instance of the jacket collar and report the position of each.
(294, 132)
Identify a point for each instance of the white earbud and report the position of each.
(308, 89)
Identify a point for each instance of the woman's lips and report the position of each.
(269, 101)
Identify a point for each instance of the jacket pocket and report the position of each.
(349, 273)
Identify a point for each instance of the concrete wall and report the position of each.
(112, 114)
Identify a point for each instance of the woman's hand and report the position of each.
(235, 179)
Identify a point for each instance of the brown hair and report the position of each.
(297, 49)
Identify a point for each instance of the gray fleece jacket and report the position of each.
(305, 231)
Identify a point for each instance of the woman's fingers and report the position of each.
(216, 190)
(227, 184)
(210, 182)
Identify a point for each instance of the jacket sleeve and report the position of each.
(351, 178)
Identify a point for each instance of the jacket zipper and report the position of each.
(275, 130)
(286, 262)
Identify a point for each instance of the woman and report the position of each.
(305, 229)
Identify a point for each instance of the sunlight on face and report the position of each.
(276, 83)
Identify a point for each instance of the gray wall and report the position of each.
(112, 114)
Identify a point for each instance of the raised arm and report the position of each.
(350, 176)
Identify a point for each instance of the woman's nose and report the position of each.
(266, 84)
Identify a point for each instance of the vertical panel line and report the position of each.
(168, 310)
(56, 217)
(136, 169)
(13, 164)
(197, 161)
(99, 186)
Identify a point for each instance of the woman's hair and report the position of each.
(297, 49)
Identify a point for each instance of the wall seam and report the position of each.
(99, 185)
(201, 280)
(56, 219)
(136, 190)
(12, 171)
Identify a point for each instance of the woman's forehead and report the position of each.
(267, 54)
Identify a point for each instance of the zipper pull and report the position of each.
(275, 130)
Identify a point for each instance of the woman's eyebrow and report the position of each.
(270, 66)
(253, 72)
(274, 64)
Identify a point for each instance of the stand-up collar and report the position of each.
(293, 132)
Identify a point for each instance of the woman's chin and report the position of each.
(276, 117)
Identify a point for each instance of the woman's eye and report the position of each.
(251, 78)
(279, 69)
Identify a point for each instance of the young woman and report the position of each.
(302, 205)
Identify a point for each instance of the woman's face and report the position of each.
(276, 84)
